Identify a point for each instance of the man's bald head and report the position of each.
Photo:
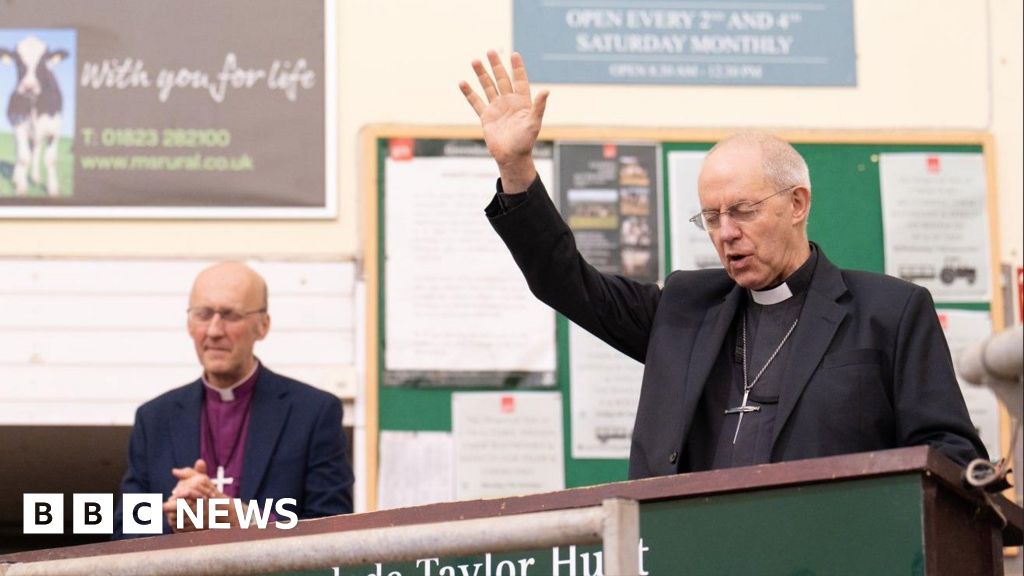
(234, 276)
(227, 316)
(757, 188)
(782, 165)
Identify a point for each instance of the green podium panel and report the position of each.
(857, 528)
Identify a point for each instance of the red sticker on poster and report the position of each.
(508, 404)
(400, 148)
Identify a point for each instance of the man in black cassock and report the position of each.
(780, 356)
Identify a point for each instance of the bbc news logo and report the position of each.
(143, 513)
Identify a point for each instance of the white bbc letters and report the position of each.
(142, 514)
(43, 514)
(93, 514)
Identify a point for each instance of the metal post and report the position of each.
(621, 538)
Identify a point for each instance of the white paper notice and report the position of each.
(605, 388)
(455, 299)
(691, 247)
(963, 329)
(936, 223)
(507, 444)
(415, 468)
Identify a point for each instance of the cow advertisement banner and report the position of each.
(193, 109)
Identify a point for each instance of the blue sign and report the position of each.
(766, 42)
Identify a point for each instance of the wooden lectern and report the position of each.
(900, 512)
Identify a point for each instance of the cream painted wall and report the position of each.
(1007, 124)
(922, 65)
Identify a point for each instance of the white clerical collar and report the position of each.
(780, 293)
(228, 394)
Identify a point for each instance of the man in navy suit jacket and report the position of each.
(239, 431)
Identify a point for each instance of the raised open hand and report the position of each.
(511, 120)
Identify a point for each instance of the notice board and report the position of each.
(846, 221)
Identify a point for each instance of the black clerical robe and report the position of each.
(873, 369)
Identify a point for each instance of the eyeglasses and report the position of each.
(741, 212)
(205, 314)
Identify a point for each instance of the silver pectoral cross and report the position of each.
(741, 410)
(220, 480)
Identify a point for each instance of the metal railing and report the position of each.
(614, 524)
(997, 362)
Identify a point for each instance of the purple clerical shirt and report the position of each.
(223, 427)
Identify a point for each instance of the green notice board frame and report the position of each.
(846, 220)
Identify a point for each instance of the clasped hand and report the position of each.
(193, 484)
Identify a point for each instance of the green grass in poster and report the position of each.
(65, 169)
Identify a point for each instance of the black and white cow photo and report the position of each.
(34, 113)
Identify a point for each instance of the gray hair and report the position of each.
(783, 166)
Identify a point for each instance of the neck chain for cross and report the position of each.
(747, 386)
(213, 447)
